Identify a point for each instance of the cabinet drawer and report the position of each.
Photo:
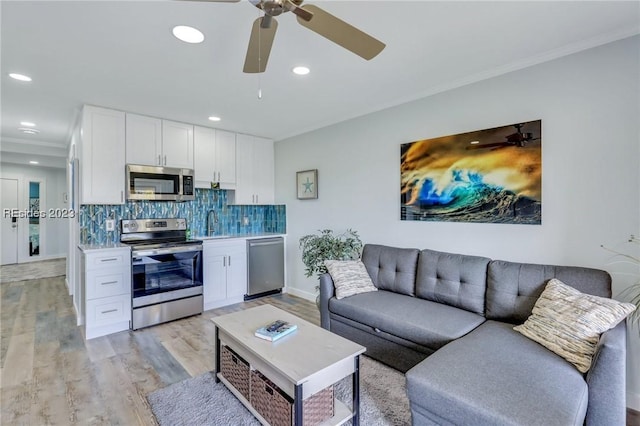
(108, 310)
(107, 259)
(104, 283)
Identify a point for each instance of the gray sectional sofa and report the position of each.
(446, 320)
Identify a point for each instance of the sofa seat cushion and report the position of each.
(496, 376)
(426, 323)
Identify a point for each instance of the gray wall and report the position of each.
(589, 106)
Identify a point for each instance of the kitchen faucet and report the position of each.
(211, 223)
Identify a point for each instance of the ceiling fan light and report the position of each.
(19, 77)
(301, 70)
(188, 34)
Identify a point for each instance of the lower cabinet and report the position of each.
(106, 280)
(224, 272)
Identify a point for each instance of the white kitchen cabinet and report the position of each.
(254, 170)
(106, 283)
(177, 144)
(225, 158)
(214, 157)
(144, 140)
(102, 156)
(154, 142)
(224, 272)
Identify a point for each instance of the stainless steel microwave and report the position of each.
(159, 183)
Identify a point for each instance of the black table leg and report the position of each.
(356, 392)
(217, 355)
(298, 406)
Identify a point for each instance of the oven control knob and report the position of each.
(133, 226)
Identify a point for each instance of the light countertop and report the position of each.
(105, 246)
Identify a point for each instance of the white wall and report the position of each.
(55, 236)
(589, 106)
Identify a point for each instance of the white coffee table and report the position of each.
(301, 364)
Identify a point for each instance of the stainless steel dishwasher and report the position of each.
(265, 266)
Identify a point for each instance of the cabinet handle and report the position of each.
(109, 311)
(111, 259)
(229, 260)
(122, 196)
(109, 282)
(256, 198)
(165, 160)
(159, 160)
(224, 261)
(218, 176)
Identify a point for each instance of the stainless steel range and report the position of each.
(166, 270)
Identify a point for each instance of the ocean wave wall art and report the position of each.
(487, 176)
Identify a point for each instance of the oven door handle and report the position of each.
(167, 250)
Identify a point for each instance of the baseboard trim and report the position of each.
(301, 293)
(633, 401)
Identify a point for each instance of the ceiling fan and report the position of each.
(518, 139)
(312, 17)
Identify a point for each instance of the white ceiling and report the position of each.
(122, 55)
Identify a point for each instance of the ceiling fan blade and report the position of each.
(490, 145)
(341, 33)
(260, 45)
(297, 10)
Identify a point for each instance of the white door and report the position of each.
(9, 225)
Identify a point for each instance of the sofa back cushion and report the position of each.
(453, 279)
(513, 288)
(391, 268)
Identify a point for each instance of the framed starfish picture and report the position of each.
(307, 184)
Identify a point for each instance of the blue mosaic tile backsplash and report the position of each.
(261, 219)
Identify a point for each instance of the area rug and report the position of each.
(201, 401)
(33, 270)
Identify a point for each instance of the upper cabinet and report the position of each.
(177, 144)
(110, 139)
(215, 157)
(144, 140)
(155, 142)
(254, 170)
(102, 156)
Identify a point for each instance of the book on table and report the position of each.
(275, 330)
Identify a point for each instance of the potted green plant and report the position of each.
(316, 248)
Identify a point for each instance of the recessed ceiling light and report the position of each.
(33, 162)
(474, 142)
(188, 34)
(29, 131)
(300, 70)
(20, 77)
(27, 124)
(214, 118)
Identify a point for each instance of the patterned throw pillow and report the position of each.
(569, 322)
(349, 277)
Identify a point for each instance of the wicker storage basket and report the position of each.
(235, 370)
(277, 407)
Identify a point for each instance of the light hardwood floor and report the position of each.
(51, 375)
